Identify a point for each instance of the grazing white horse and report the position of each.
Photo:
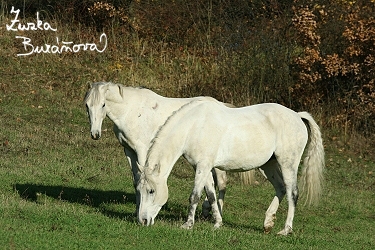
(137, 114)
(266, 136)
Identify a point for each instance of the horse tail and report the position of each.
(247, 177)
(312, 172)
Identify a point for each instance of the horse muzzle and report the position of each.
(95, 136)
(147, 222)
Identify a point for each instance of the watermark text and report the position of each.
(57, 48)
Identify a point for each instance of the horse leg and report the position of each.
(290, 180)
(202, 175)
(220, 179)
(211, 197)
(272, 172)
(132, 157)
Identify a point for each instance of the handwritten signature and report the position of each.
(59, 47)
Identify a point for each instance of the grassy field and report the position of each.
(61, 190)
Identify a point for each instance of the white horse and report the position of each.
(137, 114)
(266, 136)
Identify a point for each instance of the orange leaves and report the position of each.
(337, 59)
(304, 21)
(104, 11)
(334, 65)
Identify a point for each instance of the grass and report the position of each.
(60, 189)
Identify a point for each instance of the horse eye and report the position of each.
(103, 105)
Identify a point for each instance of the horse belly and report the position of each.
(244, 152)
(245, 163)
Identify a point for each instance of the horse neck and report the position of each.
(167, 146)
(123, 101)
(127, 101)
(113, 102)
(160, 164)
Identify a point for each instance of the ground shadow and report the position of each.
(171, 211)
(89, 197)
(94, 198)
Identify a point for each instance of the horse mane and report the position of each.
(93, 92)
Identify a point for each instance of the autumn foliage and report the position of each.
(308, 55)
(338, 59)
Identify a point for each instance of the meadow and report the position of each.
(61, 190)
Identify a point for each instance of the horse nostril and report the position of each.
(95, 136)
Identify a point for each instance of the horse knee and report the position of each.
(295, 196)
(211, 197)
(194, 198)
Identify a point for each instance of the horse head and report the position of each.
(153, 193)
(96, 107)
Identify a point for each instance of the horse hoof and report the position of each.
(285, 231)
(187, 225)
(267, 230)
(218, 225)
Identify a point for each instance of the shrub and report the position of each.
(338, 69)
(307, 55)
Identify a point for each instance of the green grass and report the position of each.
(61, 190)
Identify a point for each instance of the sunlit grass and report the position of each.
(60, 189)
(67, 190)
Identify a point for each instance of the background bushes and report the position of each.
(307, 55)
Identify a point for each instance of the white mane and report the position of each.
(93, 93)
(161, 133)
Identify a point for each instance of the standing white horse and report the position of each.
(266, 136)
(137, 114)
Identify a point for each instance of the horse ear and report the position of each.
(106, 88)
(140, 168)
(89, 85)
(120, 90)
